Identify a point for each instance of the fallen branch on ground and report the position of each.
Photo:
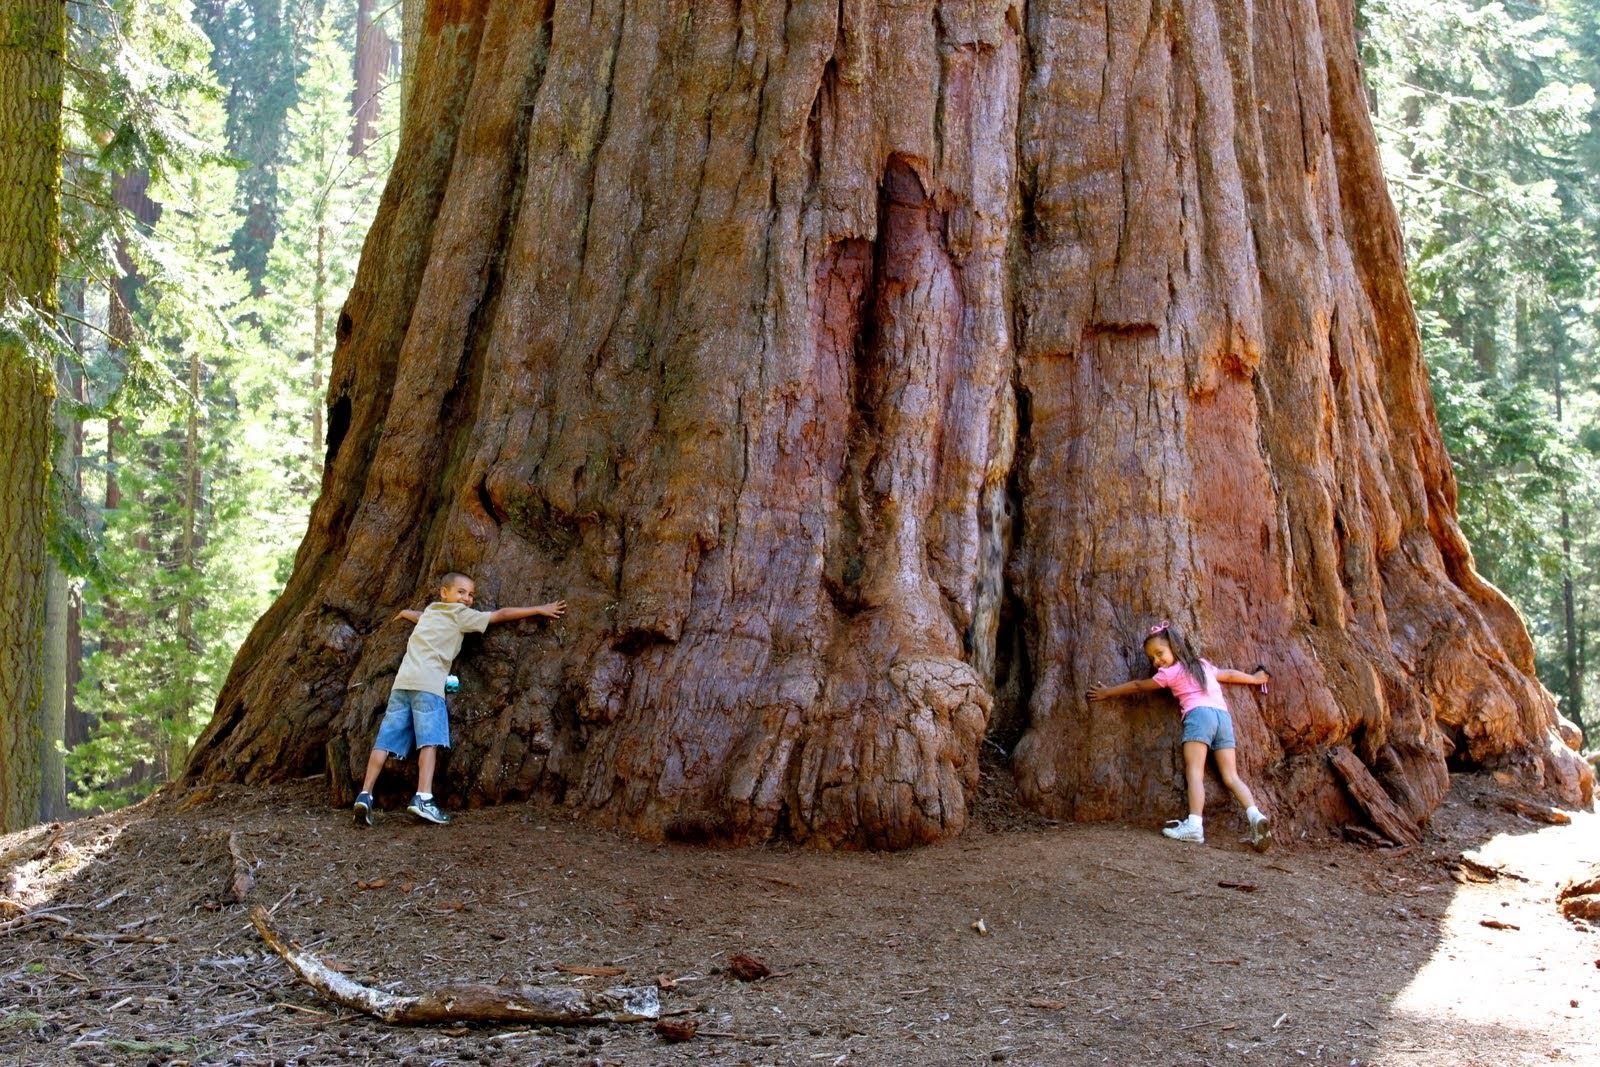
(1485, 872)
(458, 1002)
(243, 880)
(1536, 812)
(124, 939)
(38, 915)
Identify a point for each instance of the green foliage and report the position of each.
(329, 198)
(168, 609)
(1486, 120)
(256, 56)
(213, 474)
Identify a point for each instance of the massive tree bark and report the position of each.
(867, 376)
(32, 50)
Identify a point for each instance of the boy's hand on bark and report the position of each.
(554, 610)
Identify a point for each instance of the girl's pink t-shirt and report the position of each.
(1190, 693)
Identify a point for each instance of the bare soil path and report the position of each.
(1104, 944)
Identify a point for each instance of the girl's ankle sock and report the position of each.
(1253, 813)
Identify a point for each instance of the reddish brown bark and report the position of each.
(851, 368)
(374, 50)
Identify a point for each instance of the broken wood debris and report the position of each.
(458, 1002)
(676, 1031)
(38, 915)
(592, 972)
(121, 938)
(1579, 898)
(243, 879)
(748, 968)
(1464, 869)
(1370, 797)
(1535, 812)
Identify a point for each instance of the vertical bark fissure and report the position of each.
(608, 85)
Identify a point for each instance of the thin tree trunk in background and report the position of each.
(77, 724)
(1569, 610)
(130, 193)
(120, 330)
(319, 320)
(184, 712)
(57, 644)
(373, 51)
(53, 706)
(32, 51)
(745, 328)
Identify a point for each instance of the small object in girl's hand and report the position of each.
(1261, 668)
(452, 684)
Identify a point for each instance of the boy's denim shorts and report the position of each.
(413, 719)
(1214, 726)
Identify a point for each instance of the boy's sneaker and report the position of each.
(363, 809)
(1261, 834)
(1184, 830)
(427, 811)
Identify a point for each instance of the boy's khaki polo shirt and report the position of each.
(434, 644)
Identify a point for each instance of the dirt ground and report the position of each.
(1104, 944)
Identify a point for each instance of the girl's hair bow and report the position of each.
(1159, 627)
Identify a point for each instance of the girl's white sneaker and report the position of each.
(1184, 830)
(1261, 834)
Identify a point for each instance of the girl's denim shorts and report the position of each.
(1214, 726)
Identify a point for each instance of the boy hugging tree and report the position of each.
(416, 716)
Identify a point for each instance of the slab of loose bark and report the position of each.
(1371, 799)
(459, 1002)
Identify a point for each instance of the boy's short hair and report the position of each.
(452, 577)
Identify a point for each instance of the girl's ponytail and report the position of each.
(1181, 651)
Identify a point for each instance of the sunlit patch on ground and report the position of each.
(47, 856)
(1508, 969)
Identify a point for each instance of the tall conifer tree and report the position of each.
(32, 66)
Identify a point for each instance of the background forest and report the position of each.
(223, 160)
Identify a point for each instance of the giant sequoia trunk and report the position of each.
(867, 376)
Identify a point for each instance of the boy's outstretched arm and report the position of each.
(1101, 691)
(553, 610)
(410, 616)
(1260, 677)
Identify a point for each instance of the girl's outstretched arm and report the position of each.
(1101, 691)
(1260, 677)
